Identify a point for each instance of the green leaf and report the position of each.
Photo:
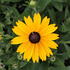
(66, 37)
(12, 60)
(65, 27)
(66, 12)
(1, 27)
(1, 52)
(22, 64)
(2, 1)
(52, 16)
(58, 6)
(60, 0)
(33, 66)
(26, 12)
(67, 49)
(43, 66)
(11, 13)
(68, 68)
(42, 4)
(58, 65)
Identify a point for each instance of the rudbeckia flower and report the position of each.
(36, 38)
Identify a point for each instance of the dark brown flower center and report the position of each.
(34, 37)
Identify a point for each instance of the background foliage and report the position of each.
(12, 10)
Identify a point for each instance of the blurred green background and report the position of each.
(12, 10)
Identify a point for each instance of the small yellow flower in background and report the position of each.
(0, 37)
(36, 38)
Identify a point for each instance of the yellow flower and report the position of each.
(36, 38)
(0, 37)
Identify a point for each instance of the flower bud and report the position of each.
(32, 3)
(52, 58)
(19, 56)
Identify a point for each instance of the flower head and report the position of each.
(36, 38)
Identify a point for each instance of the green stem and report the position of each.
(68, 42)
(35, 10)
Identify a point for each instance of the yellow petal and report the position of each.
(52, 28)
(17, 31)
(42, 53)
(37, 18)
(28, 21)
(23, 47)
(29, 52)
(51, 36)
(45, 22)
(52, 44)
(37, 22)
(49, 29)
(48, 51)
(30, 24)
(20, 49)
(17, 40)
(21, 25)
(35, 56)
(34, 26)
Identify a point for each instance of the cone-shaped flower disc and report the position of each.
(36, 38)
